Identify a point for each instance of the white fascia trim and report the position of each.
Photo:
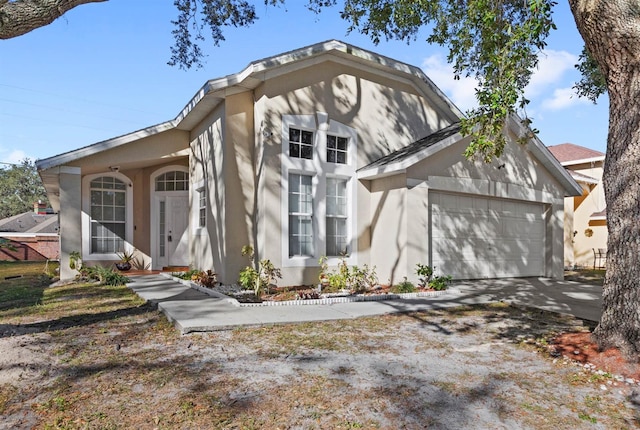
(14, 234)
(583, 161)
(598, 218)
(547, 159)
(96, 148)
(402, 165)
(586, 180)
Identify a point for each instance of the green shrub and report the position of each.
(425, 273)
(354, 279)
(257, 280)
(103, 275)
(187, 276)
(440, 283)
(247, 278)
(403, 287)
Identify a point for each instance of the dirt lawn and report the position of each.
(96, 357)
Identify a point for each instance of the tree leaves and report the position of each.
(20, 188)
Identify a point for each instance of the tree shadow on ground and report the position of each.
(72, 321)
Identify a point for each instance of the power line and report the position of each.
(76, 98)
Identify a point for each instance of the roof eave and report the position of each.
(583, 161)
(71, 156)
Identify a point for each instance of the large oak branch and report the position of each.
(18, 17)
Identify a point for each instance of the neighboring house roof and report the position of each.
(30, 223)
(569, 154)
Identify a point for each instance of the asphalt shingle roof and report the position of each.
(566, 152)
(30, 222)
(416, 146)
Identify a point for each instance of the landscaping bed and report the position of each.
(301, 295)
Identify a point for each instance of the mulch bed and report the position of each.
(581, 348)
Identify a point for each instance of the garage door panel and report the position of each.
(478, 237)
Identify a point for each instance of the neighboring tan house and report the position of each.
(31, 236)
(325, 150)
(585, 222)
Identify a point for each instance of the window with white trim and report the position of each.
(318, 190)
(300, 215)
(202, 208)
(108, 211)
(173, 181)
(337, 149)
(300, 143)
(336, 218)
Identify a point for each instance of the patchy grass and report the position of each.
(98, 358)
(586, 276)
(22, 283)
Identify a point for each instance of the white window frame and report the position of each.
(87, 255)
(320, 170)
(336, 216)
(202, 208)
(309, 214)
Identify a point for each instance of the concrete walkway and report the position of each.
(192, 311)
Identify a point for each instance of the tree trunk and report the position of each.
(22, 16)
(611, 30)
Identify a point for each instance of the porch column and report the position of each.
(70, 217)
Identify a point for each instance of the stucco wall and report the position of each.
(583, 207)
(386, 114)
(206, 169)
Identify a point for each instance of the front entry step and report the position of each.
(175, 269)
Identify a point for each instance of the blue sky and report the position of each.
(100, 71)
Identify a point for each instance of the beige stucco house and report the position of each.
(323, 151)
(585, 223)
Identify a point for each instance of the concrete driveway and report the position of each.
(191, 310)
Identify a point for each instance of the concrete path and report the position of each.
(191, 310)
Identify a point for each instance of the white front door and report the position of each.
(176, 230)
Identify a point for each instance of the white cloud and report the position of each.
(547, 89)
(552, 67)
(562, 98)
(14, 157)
(461, 92)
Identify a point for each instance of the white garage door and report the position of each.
(477, 237)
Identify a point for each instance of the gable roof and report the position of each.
(569, 154)
(398, 161)
(214, 91)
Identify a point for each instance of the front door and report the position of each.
(176, 233)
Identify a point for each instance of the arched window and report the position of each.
(108, 214)
(173, 181)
